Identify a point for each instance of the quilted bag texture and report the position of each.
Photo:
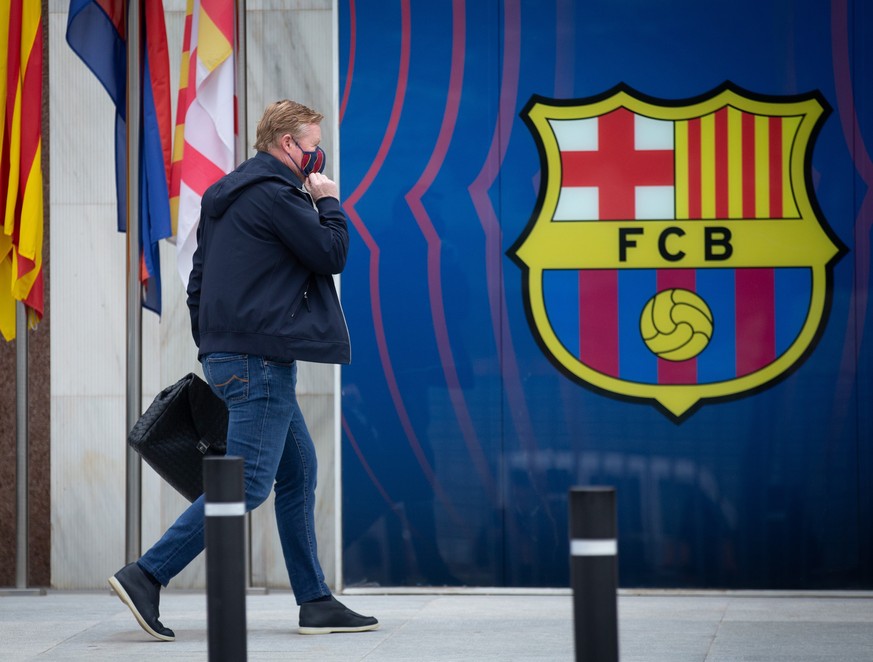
(185, 422)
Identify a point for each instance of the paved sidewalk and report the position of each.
(653, 627)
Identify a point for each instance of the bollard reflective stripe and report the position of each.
(605, 547)
(232, 509)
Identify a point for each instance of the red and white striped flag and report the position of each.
(203, 148)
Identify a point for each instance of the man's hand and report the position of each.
(320, 186)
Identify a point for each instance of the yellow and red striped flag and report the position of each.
(21, 201)
(203, 145)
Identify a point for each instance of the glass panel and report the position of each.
(500, 352)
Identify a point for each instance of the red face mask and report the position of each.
(312, 161)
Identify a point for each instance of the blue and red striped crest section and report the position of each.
(676, 253)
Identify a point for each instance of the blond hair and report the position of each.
(283, 117)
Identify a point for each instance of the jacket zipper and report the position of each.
(303, 300)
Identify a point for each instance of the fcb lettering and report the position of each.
(717, 243)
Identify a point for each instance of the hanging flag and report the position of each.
(96, 31)
(203, 150)
(21, 202)
(155, 150)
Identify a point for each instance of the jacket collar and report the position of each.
(275, 166)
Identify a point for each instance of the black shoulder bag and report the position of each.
(185, 422)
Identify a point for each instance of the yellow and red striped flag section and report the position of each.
(733, 164)
(21, 202)
(203, 145)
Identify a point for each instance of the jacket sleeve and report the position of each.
(319, 238)
(194, 281)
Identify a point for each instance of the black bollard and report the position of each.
(225, 558)
(594, 573)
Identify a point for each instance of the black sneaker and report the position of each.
(332, 616)
(138, 592)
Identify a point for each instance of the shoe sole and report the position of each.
(125, 598)
(363, 628)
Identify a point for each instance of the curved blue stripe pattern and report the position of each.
(758, 491)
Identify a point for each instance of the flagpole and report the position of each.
(241, 84)
(21, 440)
(133, 501)
(238, 157)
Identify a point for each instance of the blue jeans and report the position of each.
(266, 429)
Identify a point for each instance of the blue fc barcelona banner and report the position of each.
(608, 243)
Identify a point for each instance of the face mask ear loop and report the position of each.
(299, 168)
(303, 174)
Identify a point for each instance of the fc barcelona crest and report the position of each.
(676, 253)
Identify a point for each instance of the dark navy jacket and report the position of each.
(261, 282)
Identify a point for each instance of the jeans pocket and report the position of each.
(229, 374)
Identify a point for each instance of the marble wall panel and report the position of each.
(88, 302)
(288, 5)
(8, 469)
(88, 473)
(288, 58)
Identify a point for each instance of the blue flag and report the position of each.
(96, 31)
